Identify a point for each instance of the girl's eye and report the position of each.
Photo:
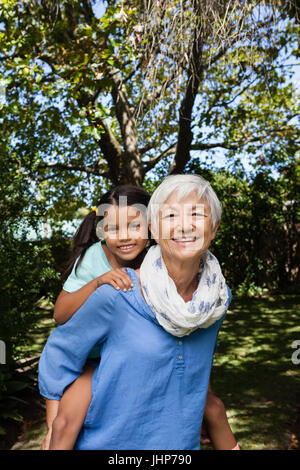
(111, 228)
(198, 214)
(135, 226)
(169, 216)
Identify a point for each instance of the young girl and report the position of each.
(92, 264)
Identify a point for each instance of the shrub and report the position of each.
(27, 274)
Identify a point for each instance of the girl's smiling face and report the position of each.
(125, 231)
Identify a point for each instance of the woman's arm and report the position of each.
(68, 303)
(68, 346)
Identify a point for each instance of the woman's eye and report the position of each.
(111, 229)
(135, 226)
(198, 214)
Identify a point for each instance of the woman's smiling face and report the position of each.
(185, 227)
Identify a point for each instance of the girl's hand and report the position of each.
(118, 278)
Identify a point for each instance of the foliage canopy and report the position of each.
(93, 101)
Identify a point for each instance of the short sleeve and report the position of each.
(68, 346)
(79, 277)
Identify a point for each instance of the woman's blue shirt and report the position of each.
(149, 389)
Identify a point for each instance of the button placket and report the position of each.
(180, 365)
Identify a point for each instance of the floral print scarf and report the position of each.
(180, 318)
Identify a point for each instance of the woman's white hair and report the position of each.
(183, 185)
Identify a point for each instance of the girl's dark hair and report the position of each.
(86, 233)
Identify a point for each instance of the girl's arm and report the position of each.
(69, 302)
(69, 345)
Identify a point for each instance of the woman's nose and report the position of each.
(185, 223)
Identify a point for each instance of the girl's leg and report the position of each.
(204, 436)
(72, 412)
(51, 413)
(217, 424)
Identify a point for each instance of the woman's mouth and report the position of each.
(184, 240)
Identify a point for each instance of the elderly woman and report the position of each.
(157, 340)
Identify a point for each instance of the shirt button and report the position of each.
(179, 357)
(180, 343)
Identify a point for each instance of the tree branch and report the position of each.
(227, 103)
(130, 165)
(241, 143)
(151, 164)
(154, 96)
(90, 169)
(124, 112)
(185, 134)
(111, 150)
(88, 11)
(150, 145)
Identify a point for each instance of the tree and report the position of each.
(113, 97)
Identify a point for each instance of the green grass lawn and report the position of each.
(252, 373)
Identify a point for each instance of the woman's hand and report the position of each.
(118, 278)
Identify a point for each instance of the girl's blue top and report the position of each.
(93, 264)
(149, 389)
